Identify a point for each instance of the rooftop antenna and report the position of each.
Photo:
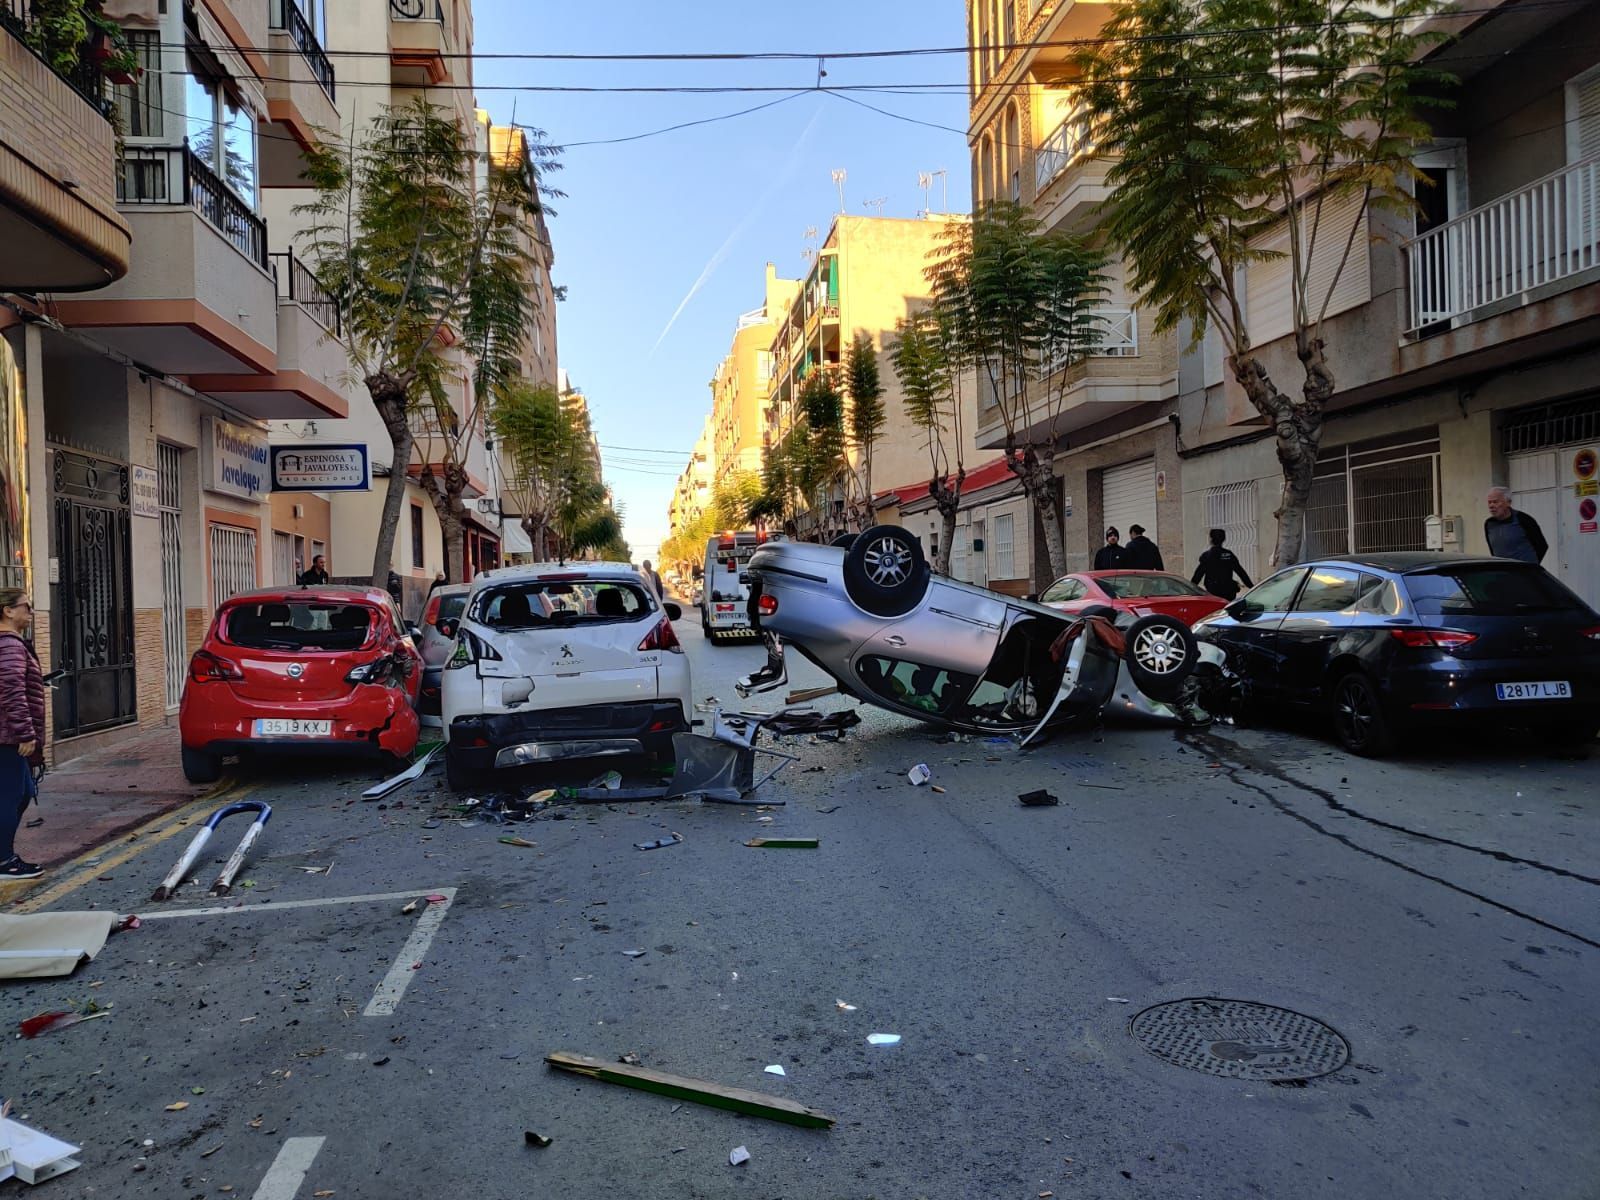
(876, 204)
(943, 176)
(838, 182)
(925, 182)
(810, 252)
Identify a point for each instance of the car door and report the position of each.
(1248, 629)
(1309, 635)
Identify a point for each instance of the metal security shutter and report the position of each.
(1269, 302)
(169, 483)
(282, 559)
(1128, 497)
(233, 562)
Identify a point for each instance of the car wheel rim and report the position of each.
(1355, 714)
(1159, 652)
(887, 565)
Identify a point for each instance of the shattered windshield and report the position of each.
(297, 625)
(541, 603)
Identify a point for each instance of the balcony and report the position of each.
(417, 46)
(58, 219)
(300, 94)
(1068, 177)
(1527, 246)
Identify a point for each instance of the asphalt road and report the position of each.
(1438, 910)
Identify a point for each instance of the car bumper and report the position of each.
(1463, 691)
(371, 718)
(593, 731)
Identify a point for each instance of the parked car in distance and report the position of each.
(562, 661)
(1138, 592)
(440, 619)
(301, 670)
(1388, 643)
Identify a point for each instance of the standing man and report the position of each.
(317, 575)
(649, 573)
(1218, 566)
(1141, 554)
(1111, 556)
(1510, 533)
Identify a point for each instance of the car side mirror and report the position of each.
(1241, 609)
(447, 628)
(413, 629)
(1032, 597)
(674, 610)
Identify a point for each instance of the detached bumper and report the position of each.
(594, 731)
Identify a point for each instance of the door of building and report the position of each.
(283, 573)
(169, 482)
(1127, 497)
(91, 610)
(1551, 486)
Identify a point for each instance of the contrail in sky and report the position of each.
(781, 178)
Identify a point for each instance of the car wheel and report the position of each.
(844, 541)
(885, 572)
(1161, 654)
(457, 775)
(201, 766)
(1358, 717)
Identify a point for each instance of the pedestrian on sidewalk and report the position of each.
(654, 580)
(1141, 554)
(1111, 556)
(1218, 566)
(1510, 532)
(317, 574)
(21, 728)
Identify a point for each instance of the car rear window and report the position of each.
(539, 603)
(1124, 587)
(1489, 589)
(451, 607)
(298, 625)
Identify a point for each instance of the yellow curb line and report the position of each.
(152, 833)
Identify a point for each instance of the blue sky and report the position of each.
(642, 221)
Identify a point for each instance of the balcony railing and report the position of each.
(286, 15)
(1061, 149)
(297, 283)
(176, 175)
(416, 10)
(1119, 338)
(1539, 235)
(22, 19)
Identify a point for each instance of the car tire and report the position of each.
(201, 766)
(885, 571)
(844, 541)
(1162, 652)
(457, 775)
(1359, 720)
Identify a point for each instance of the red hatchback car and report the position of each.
(1140, 592)
(301, 669)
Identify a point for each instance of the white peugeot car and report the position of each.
(562, 661)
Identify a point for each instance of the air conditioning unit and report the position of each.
(488, 504)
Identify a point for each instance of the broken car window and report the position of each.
(297, 626)
(539, 603)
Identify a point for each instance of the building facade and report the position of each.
(742, 384)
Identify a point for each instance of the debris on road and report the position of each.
(635, 953)
(610, 780)
(1038, 799)
(1118, 1000)
(806, 695)
(919, 775)
(177, 1106)
(843, 1007)
(631, 1058)
(42, 945)
(49, 1022)
(937, 790)
(883, 1039)
(532, 1138)
(680, 1087)
(775, 1069)
(31, 1155)
(672, 839)
(764, 843)
(738, 1156)
(524, 843)
(224, 881)
(410, 775)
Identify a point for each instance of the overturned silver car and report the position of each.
(870, 613)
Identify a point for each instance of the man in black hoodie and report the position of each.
(1141, 554)
(1111, 556)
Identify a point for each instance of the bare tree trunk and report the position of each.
(947, 499)
(1035, 470)
(1297, 428)
(390, 397)
(445, 492)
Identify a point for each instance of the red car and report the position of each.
(1141, 592)
(301, 669)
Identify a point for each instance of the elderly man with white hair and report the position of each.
(1511, 533)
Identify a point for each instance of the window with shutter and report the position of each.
(1583, 141)
(1268, 292)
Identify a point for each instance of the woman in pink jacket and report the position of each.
(21, 727)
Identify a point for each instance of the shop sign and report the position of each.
(144, 491)
(234, 459)
(297, 468)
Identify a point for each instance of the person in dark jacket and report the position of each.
(21, 728)
(1111, 556)
(1512, 533)
(1218, 566)
(317, 574)
(438, 582)
(395, 588)
(1141, 554)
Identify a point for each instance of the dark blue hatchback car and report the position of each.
(1385, 643)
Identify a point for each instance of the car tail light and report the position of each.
(662, 637)
(430, 615)
(767, 605)
(206, 666)
(1592, 633)
(372, 672)
(1449, 640)
(471, 648)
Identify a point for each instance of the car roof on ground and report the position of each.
(536, 571)
(1402, 562)
(311, 591)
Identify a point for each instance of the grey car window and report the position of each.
(1061, 591)
(1378, 596)
(1274, 595)
(1329, 590)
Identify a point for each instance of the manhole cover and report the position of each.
(1239, 1039)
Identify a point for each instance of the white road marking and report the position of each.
(249, 909)
(387, 998)
(288, 1170)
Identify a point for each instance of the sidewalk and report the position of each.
(95, 798)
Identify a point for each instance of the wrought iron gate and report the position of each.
(169, 471)
(233, 562)
(91, 628)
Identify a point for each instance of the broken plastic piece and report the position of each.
(531, 1138)
(775, 1069)
(49, 1022)
(738, 1156)
(30, 1155)
(843, 1007)
(1118, 1000)
(883, 1039)
(1038, 799)
(919, 775)
(672, 839)
(611, 781)
(635, 953)
(379, 790)
(516, 841)
(680, 1087)
(783, 843)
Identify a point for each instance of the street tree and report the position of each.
(817, 447)
(421, 248)
(930, 375)
(867, 419)
(1021, 309)
(1232, 124)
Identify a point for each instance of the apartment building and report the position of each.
(1466, 345)
(1118, 458)
(742, 384)
(692, 493)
